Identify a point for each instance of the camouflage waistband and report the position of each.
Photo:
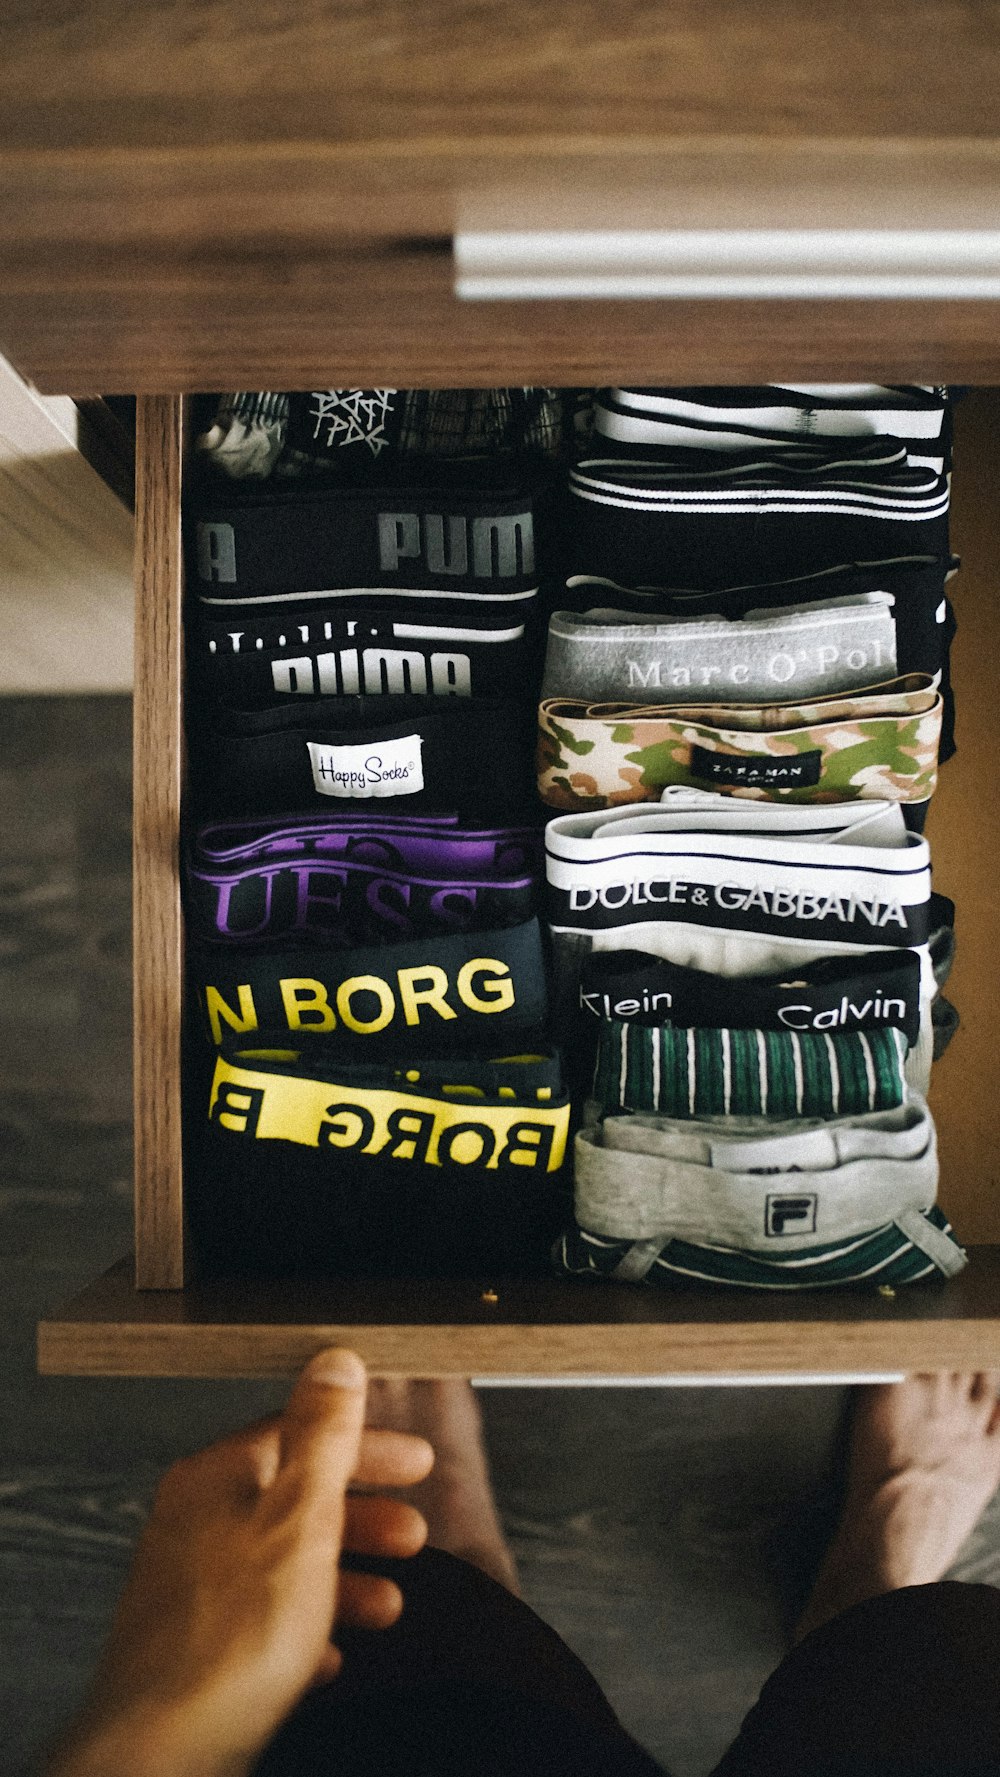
(881, 743)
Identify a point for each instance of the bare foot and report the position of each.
(924, 1464)
(456, 1498)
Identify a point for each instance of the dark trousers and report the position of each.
(471, 1681)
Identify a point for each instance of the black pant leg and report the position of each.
(468, 1680)
(905, 1685)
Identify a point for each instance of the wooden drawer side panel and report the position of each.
(158, 932)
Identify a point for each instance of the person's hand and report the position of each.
(226, 1617)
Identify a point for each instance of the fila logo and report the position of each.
(790, 1215)
(497, 548)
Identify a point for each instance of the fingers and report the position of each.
(392, 1459)
(375, 1526)
(320, 1429)
(367, 1601)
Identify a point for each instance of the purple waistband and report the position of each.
(426, 847)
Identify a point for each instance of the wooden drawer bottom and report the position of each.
(537, 1328)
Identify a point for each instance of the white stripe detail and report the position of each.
(446, 594)
(655, 1046)
(834, 1071)
(438, 633)
(727, 1072)
(866, 1050)
(799, 1081)
(691, 1070)
(762, 1071)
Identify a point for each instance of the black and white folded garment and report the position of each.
(878, 990)
(362, 433)
(446, 1165)
(478, 991)
(404, 753)
(269, 653)
(684, 518)
(740, 419)
(467, 537)
(739, 889)
(797, 1205)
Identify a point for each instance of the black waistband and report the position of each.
(449, 536)
(266, 655)
(399, 753)
(456, 990)
(877, 991)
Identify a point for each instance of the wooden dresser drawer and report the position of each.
(494, 1325)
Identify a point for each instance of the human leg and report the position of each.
(894, 1673)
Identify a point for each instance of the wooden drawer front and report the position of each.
(493, 1325)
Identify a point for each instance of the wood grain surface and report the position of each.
(187, 73)
(545, 1327)
(157, 921)
(963, 826)
(202, 195)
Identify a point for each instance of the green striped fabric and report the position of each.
(747, 1073)
(883, 1256)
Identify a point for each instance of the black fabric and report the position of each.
(482, 992)
(270, 653)
(468, 1680)
(904, 1685)
(361, 432)
(877, 991)
(320, 881)
(285, 1210)
(475, 754)
(346, 902)
(467, 530)
(762, 515)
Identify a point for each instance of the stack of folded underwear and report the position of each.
(723, 1017)
(757, 600)
(373, 1061)
(761, 986)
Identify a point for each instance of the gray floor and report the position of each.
(663, 1532)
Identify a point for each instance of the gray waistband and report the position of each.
(812, 1192)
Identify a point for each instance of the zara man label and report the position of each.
(758, 771)
(376, 768)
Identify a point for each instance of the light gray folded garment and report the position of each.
(793, 1187)
(792, 653)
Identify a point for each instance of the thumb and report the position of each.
(321, 1427)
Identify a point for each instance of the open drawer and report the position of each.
(151, 1319)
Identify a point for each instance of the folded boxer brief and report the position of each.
(800, 1204)
(738, 419)
(348, 900)
(363, 432)
(398, 841)
(468, 534)
(739, 888)
(410, 753)
(718, 520)
(472, 992)
(878, 743)
(266, 655)
(793, 652)
(426, 1169)
(876, 991)
(694, 1073)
